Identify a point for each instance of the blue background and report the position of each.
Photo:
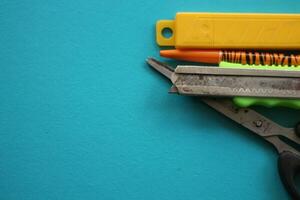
(83, 117)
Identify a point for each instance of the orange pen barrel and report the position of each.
(204, 56)
(242, 57)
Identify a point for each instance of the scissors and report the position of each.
(280, 137)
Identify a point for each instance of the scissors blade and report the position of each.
(164, 69)
(255, 122)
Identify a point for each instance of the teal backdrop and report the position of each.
(83, 117)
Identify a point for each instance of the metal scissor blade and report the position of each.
(164, 69)
(257, 123)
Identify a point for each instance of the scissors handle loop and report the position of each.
(289, 168)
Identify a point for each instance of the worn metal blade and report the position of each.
(235, 71)
(215, 81)
(164, 69)
(235, 85)
(257, 123)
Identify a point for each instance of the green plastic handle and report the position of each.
(267, 102)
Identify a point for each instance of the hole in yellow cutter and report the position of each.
(165, 33)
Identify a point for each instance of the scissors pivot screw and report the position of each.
(258, 123)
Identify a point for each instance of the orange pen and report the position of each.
(242, 57)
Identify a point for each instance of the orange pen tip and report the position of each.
(200, 55)
(168, 53)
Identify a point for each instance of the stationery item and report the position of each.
(233, 82)
(243, 57)
(230, 31)
(243, 102)
(190, 80)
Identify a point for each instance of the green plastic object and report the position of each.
(267, 102)
(265, 67)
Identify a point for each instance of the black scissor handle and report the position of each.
(289, 167)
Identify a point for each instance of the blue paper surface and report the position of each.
(83, 117)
